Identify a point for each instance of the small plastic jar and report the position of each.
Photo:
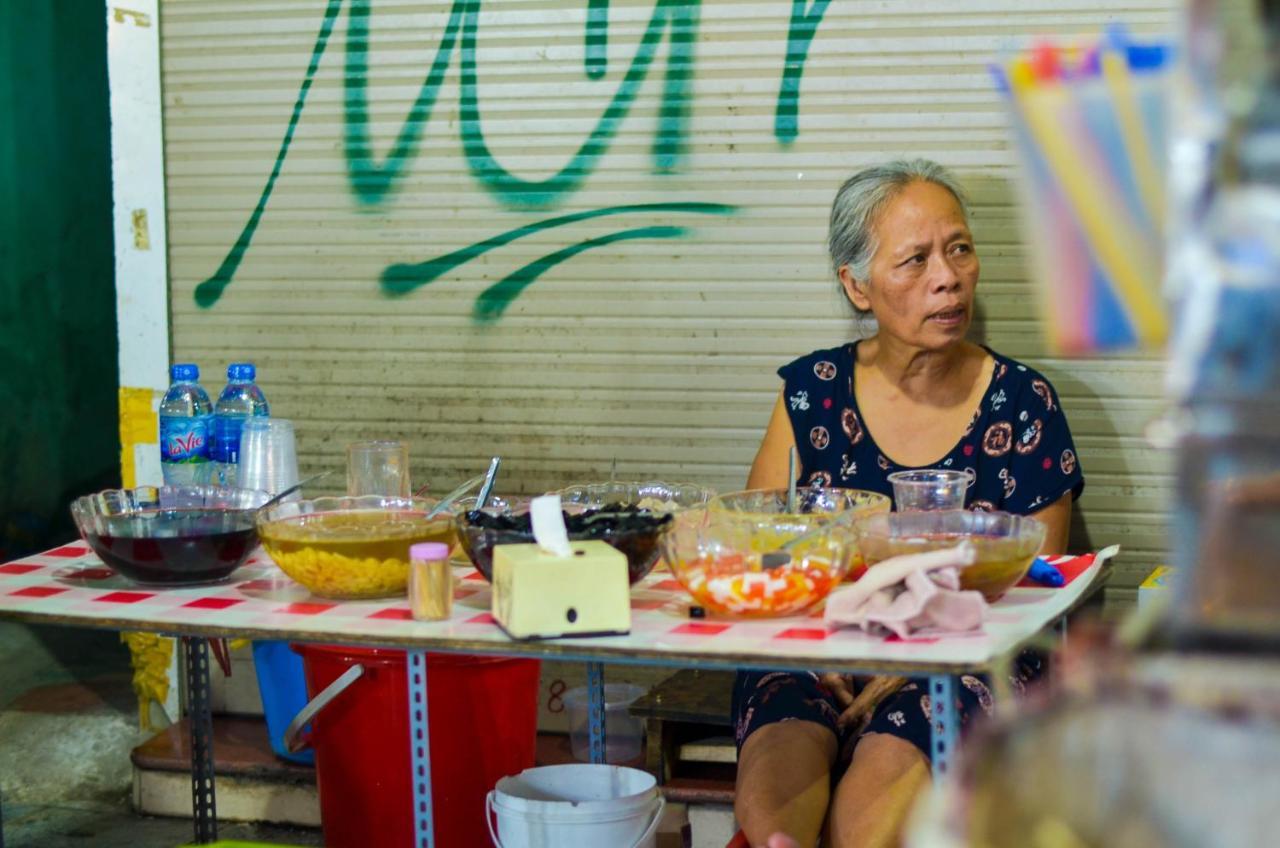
(430, 581)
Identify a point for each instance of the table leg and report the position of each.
(595, 710)
(946, 723)
(204, 806)
(420, 751)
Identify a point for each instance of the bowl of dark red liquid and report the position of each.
(630, 529)
(170, 535)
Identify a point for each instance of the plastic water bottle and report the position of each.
(186, 419)
(240, 400)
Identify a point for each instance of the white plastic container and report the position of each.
(623, 734)
(575, 806)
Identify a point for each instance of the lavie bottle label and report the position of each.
(184, 439)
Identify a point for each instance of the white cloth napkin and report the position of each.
(912, 593)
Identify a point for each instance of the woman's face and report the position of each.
(924, 272)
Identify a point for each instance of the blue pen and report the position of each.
(1045, 574)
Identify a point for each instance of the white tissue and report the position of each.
(548, 525)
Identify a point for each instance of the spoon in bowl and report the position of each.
(791, 481)
(489, 477)
(484, 481)
(447, 500)
(782, 556)
(295, 487)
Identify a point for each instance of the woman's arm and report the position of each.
(1057, 518)
(769, 470)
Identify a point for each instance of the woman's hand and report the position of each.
(841, 686)
(857, 710)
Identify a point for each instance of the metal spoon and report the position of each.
(295, 487)
(447, 500)
(791, 481)
(490, 476)
(776, 559)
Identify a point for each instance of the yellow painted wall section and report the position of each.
(139, 425)
(151, 655)
(577, 232)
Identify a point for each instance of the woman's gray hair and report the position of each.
(850, 239)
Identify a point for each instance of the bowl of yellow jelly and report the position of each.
(351, 547)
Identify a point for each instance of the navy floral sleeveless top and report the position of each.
(1018, 444)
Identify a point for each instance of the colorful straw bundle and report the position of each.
(1090, 127)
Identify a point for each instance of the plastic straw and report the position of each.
(1089, 125)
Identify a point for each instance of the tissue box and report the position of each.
(1158, 582)
(538, 595)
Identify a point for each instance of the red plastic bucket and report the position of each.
(483, 715)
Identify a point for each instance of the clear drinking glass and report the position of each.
(378, 468)
(929, 489)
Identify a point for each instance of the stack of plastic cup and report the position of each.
(268, 455)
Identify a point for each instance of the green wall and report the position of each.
(58, 426)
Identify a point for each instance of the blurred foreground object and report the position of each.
(1224, 359)
(1089, 124)
(1181, 751)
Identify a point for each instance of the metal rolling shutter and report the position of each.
(650, 336)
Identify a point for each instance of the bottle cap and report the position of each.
(241, 371)
(429, 551)
(184, 371)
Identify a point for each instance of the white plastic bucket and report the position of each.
(575, 806)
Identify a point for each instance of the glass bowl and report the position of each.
(632, 531)
(718, 556)
(351, 547)
(1006, 543)
(652, 495)
(170, 535)
(822, 504)
(809, 501)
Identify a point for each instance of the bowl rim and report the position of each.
(879, 525)
(464, 525)
(877, 502)
(705, 492)
(85, 502)
(308, 506)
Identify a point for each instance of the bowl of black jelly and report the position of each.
(630, 529)
(170, 535)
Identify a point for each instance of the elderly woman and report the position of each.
(916, 394)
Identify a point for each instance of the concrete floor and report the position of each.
(68, 720)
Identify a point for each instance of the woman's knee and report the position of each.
(793, 740)
(884, 752)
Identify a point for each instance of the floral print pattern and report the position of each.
(1019, 450)
(1016, 443)
(998, 439)
(762, 698)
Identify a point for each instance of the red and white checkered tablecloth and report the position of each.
(70, 585)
